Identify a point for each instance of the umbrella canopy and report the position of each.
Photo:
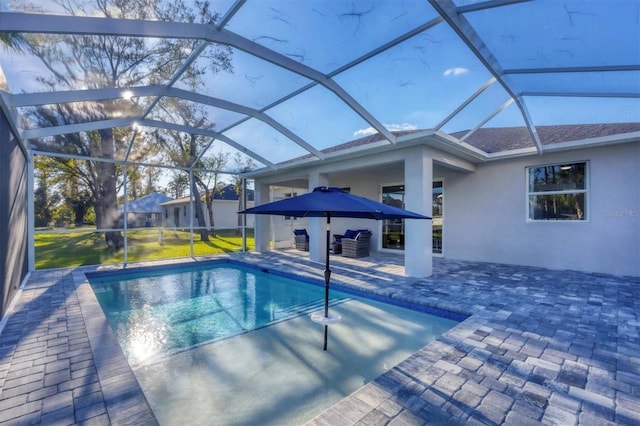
(332, 202)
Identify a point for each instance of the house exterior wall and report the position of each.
(485, 211)
(282, 229)
(13, 215)
(143, 220)
(485, 215)
(282, 226)
(225, 215)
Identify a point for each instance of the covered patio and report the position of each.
(540, 347)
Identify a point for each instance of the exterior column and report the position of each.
(262, 227)
(418, 177)
(317, 225)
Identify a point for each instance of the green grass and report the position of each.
(86, 247)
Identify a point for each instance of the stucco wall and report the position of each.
(486, 215)
(13, 215)
(365, 185)
(485, 211)
(225, 215)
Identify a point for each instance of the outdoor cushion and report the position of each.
(350, 233)
(362, 231)
(299, 232)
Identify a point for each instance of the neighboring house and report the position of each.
(145, 211)
(177, 213)
(571, 204)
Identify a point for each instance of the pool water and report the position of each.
(168, 311)
(230, 344)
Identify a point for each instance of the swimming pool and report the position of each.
(226, 341)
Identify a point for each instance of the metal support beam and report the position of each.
(490, 4)
(465, 103)
(451, 14)
(54, 24)
(230, 13)
(601, 68)
(627, 95)
(487, 119)
(127, 122)
(125, 216)
(213, 134)
(157, 91)
(9, 112)
(31, 218)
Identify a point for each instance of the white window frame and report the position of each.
(289, 195)
(440, 179)
(380, 222)
(586, 191)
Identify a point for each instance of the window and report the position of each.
(166, 213)
(184, 211)
(437, 214)
(289, 195)
(393, 229)
(558, 192)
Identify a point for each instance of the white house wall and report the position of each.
(282, 226)
(485, 215)
(225, 215)
(366, 185)
(485, 211)
(282, 229)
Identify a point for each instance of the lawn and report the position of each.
(86, 247)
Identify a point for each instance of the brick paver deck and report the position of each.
(540, 347)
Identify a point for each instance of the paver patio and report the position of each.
(540, 347)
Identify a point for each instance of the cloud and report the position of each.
(455, 71)
(364, 132)
(392, 127)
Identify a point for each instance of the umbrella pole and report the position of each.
(327, 277)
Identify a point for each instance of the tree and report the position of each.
(208, 178)
(151, 176)
(243, 165)
(78, 200)
(44, 198)
(178, 185)
(14, 41)
(77, 61)
(134, 182)
(61, 195)
(185, 149)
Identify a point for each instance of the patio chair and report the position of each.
(336, 244)
(356, 245)
(301, 239)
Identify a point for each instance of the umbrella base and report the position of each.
(332, 318)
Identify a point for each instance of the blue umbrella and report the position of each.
(332, 202)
